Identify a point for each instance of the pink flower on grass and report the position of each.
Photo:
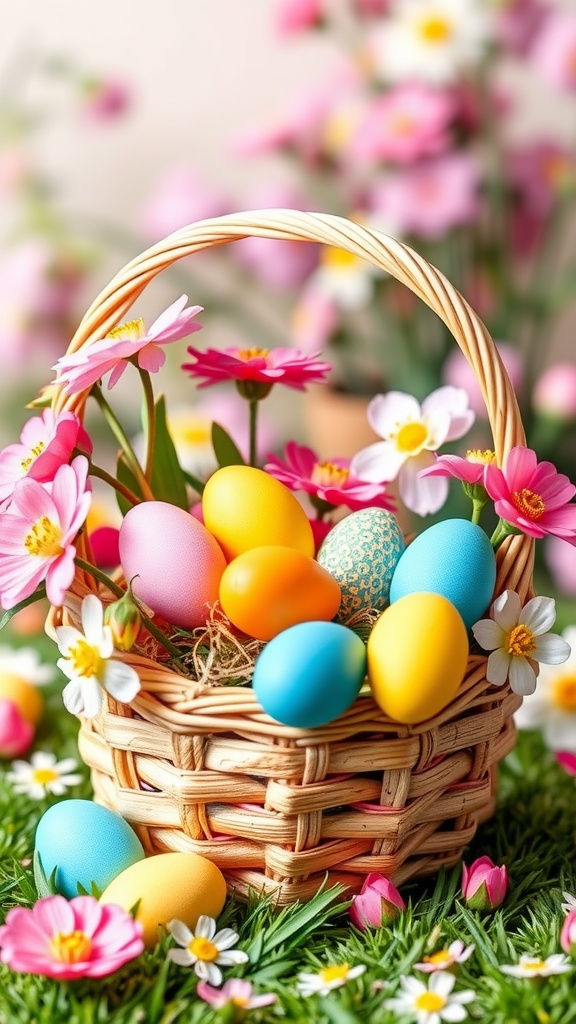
(567, 761)
(329, 482)
(38, 532)
(285, 366)
(484, 885)
(46, 443)
(533, 496)
(554, 51)
(129, 341)
(409, 122)
(377, 903)
(568, 934)
(67, 940)
(16, 734)
(235, 992)
(444, 959)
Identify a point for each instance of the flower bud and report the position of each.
(484, 885)
(568, 934)
(16, 734)
(124, 620)
(378, 903)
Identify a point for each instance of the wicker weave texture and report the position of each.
(203, 769)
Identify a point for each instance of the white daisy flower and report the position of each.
(443, 959)
(25, 663)
(431, 40)
(431, 1003)
(205, 949)
(334, 976)
(43, 774)
(345, 278)
(533, 967)
(570, 903)
(519, 638)
(89, 666)
(552, 708)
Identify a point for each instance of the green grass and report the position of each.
(533, 833)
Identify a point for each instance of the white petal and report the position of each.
(181, 957)
(92, 619)
(180, 932)
(356, 971)
(92, 697)
(211, 973)
(121, 681)
(225, 939)
(423, 495)
(506, 610)
(489, 634)
(442, 983)
(453, 1013)
(551, 649)
(386, 412)
(522, 676)
(498, 667)
(68, 764)
(559, 729)
(205, 927)
(539, 615)
(43, 759)
(73, 698)
(533, 711)
(232, 956)
(412, 985)
(378, 462)
(67, 637)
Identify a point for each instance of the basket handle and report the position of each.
(392, 256)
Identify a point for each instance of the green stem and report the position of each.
(119, 434)
(150, 420)
(253, 405)
(102, 474)
(477, 507)
(503, 530)
(92, 570)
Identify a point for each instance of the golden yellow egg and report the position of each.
(24, 695)
(245, 508)
(417, 657)
(168, 886)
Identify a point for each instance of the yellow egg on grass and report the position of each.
(168, 886)
(26, 697)
(417, 656)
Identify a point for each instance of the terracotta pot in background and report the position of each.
(336, 425)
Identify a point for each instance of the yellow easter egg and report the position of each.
(417, 657)
(245, 508)
(24, 695)
(168, 886)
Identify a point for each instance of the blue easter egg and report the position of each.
(86, 843)
(310, 674)
(454, 558)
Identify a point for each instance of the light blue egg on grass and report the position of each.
(454, 558)
(86, 843)
(310, 674)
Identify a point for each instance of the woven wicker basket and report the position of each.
(203, 769)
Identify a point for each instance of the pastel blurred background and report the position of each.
(448, 123)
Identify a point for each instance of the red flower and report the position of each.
(329, 483)
(532, 495)
(263, 366)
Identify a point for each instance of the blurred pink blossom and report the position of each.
(16, 734)
(518, 23)
(179, 198)
(554, 50)
(377, 903)
(431, 198)
(560, 559)
(567, 761)
(555, 392)
(405, 124)
(104, 99)
(294, 16)
(104, 541)
(458, 372)
(370, 8)
(279, 264)
(314, 319)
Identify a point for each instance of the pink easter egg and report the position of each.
(176, 561)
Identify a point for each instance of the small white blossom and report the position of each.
(205, 949)
(443, 959)
(25, 663)
(43, 774)
(431, 1003)
(533, 967)
(552, 708)
(334, 976)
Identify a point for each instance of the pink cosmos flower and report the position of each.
(539, 172)
(104, 99)
(179, 198)
(459, 374)
(326, 481)
(568, 933)
(38, 531)
(66, 940)
(532, 495)
(16, 734)
(554, 50)
(81, 370)
(444, 959)
(405, 124)
(518, 23)
(484, 885)
(432, 197)
(46, 443)
(235, 992)
(285, 366)
(377, 903)
(294, 16)
(561, 563)
(567, 761)
(470, 470)
(555, 393)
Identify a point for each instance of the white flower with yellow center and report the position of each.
(191, 432)
(25, 663)
(43, 774)
(431, 40)
(552, 708)
(345, 278)
(534, 967)
(334, 976)
(205, 949)
(443, 959)
(519, 640)
(431, 1003)
(87, 661)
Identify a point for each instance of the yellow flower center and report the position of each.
(252, 353)
(564, 693)
(326, 473)
(521, 641)
(71, 948)
(132, 329)
(411, 437)
(336, 972)
(44, 539)
(191, 430)
(44, 775)
(86, 660)
(439, 958)
(203, 949)
(240, 1001)
(430, 1002)
(403, 124)
(36, 451)
(486, 457)
(529, 503)
(337, 131)
(339, 259)
(436, 29)
(534, 965)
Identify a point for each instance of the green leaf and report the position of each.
(44, 886)
(168, 482)
(38, 595)
(225, 449)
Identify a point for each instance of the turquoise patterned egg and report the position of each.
(361, 553)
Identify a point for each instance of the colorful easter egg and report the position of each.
(417, 657)
(268, 589)
(310, 674)
(361, 552)
(454, 558)
(25, 696)
(168, 886)
(85, 843)
(246, 508)
(176, 562)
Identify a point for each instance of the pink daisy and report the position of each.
(46, 443)
(470, 470)
(532, 495)
(265, 366)
(38, 531)
(66, 940)
(129, 341)
(409, 122)
(235, 992)
(328, 482)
